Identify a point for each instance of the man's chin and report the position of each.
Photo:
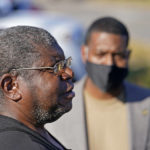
(59, 112)
(68, 107)
(64, 109)
(54, 114)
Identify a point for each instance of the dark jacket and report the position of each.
(16, 136)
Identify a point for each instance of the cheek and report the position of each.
(122, 63)
(47, 90)
(96, 59)
(53, 86)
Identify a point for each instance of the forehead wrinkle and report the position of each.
(45, 61)
(43, 48)
(49, 56)
(109, 50)
(106, 41)
(106, 48)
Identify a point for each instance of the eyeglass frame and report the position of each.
(54, 68)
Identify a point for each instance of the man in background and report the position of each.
(109, 113)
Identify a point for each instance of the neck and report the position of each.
(21, 117)
(99, 94)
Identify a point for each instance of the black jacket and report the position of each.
(16, 136)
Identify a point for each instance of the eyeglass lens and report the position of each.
(62, 65)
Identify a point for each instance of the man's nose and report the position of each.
(67, 74)
(110, 60)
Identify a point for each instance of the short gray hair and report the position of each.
(18, 46)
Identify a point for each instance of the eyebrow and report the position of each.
(99, 50)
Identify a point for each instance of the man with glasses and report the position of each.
(109, 113)
(36, 88)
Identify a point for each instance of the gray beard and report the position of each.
(43, 116)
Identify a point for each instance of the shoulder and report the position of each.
(17, 140)
(136, 87)
(135, 92)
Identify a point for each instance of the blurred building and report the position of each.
(68, 32)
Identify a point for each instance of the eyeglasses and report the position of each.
(58, 67)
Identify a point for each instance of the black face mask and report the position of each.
(106, 77)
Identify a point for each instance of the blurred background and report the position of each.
(67, 21)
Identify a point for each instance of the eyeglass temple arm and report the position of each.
(34, 68)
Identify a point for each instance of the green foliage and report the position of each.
(140, 64)
(140, 76)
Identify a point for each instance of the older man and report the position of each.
(109, 113)
(36, 88)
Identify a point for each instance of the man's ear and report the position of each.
(84, 53)
(10, 88)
